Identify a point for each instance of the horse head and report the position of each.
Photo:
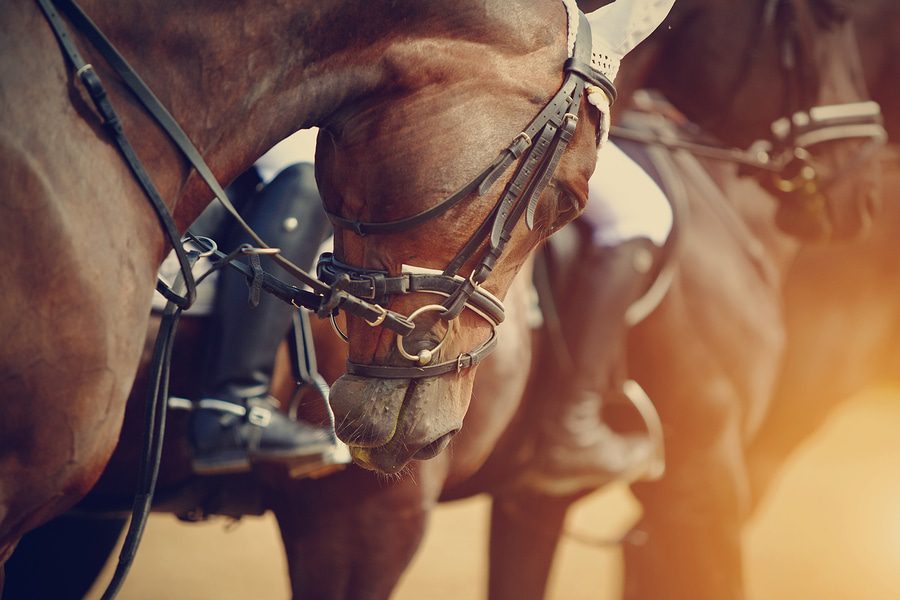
(783, 78)
(459, 94)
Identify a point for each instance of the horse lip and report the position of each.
(436, 447)
(382, 459)
(381, 462)
(375, 402)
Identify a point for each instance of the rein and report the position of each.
(326, 297)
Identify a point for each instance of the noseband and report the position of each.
(538, 148)
(807, 125)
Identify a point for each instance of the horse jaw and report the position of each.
(388, 422)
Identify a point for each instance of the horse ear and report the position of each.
(618, 27)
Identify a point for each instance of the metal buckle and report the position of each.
(380, 318)
(210, 245)
(259, 416)
(337, 329)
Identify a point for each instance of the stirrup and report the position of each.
(655, 467)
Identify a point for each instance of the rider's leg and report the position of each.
(235, 422)
(631, 219)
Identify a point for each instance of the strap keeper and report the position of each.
(591, 75)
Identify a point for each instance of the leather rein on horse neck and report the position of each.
(786, 157)
(542, 144)
(322, 297)
(540, 147)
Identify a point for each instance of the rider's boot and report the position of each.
(237, 422)
(576, 449)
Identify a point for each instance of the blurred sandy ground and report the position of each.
(829, 531)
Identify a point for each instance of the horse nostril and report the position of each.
(435, 447)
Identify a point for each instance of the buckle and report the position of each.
(259, 416)
(461, 360)
(378, 320)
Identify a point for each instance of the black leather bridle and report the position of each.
(785, 160)
(539, 148)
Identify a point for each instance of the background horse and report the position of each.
(362, 530)
(737, 280)
(255, 73)
(712, 374)
(840, 301)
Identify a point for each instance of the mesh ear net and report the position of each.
(618, 27)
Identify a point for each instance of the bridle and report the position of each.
(541, 144)
(539, 148)
(785, 160)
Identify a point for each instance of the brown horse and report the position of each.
(709, 394)
(840, 301)
(322, 520)
(731, 409)
(407, 97)
(362, 531)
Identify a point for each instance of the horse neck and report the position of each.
(238, 77)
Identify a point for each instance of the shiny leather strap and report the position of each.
(379, 286)
(461, 362)
(94, 86)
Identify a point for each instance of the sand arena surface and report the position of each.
(829, 531)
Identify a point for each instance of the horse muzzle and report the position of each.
(388, 422)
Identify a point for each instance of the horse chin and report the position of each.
(844, 210)
(846, 213)
(388, 422)
(392, 458)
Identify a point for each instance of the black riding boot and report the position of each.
(576, 449)
(236, 422)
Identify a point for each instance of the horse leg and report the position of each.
(838, 312)
(525, 531)
(62, 544)
(351, 535)
(689, 545)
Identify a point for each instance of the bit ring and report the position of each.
(424, 356)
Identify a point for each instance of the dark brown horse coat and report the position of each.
(82, 245)
(322, 521)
